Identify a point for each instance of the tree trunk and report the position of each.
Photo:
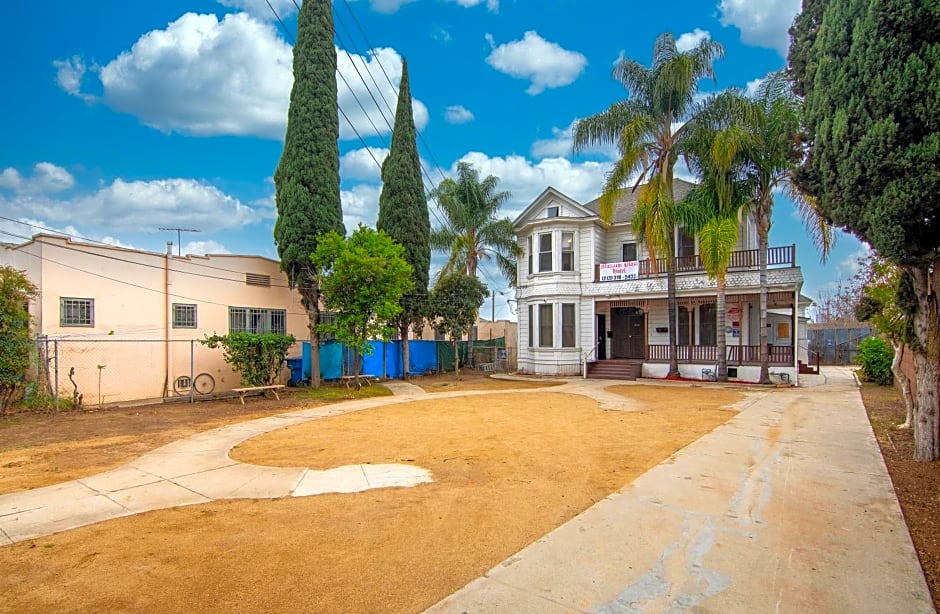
(357, 368)
(405, 354)
(927, 361)
(672, 306)
(310, 293)
(722, 339)
(456, 361)
(905, 384)
(763, 230)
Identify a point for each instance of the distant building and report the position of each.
(130, 316)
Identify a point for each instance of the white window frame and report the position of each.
(550, 327)
(564, 251)
(573, 325)
(550, 252)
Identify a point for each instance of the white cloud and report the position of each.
(525, 179)
(457, 114)
(206, 77)
(762, 24)
(360, 204)
(260, 8)
(691, 40)
(360, 164)
(69, 75)
(201, 248)
(139, 205)
(543, 63)
(46, 178)
(491, 5)
(560, 145)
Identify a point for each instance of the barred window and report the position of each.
(76, 311)
(326, 317)
(257, 321)
(184, 316)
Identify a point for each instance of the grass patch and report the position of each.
(339, 392)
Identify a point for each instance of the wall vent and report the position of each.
(257, 279)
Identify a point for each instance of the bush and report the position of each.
(257, 358)
(875, 357)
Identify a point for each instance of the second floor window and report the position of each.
(628, 252)
(76, 311)
(545, 252)
(184, 316)
(567, 251)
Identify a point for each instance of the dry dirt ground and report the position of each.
(917, 484)
(507, 469)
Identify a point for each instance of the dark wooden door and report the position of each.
(629, 333)
(601, 337)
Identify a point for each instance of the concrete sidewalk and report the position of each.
(786, 508)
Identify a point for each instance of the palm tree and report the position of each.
(648, 131)
(772, 150)
(712, 210)
(472, 232)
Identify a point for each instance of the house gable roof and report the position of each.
(626, 204)
(547, 198)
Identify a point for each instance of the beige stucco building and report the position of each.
(128, 321)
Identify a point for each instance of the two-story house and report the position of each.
(589, 298)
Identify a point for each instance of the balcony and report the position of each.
(777, 257)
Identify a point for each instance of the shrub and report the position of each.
(258, 358)
(875, 356)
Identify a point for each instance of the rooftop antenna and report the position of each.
(179, 241)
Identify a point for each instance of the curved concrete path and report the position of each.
(198, 470)
(787, 507)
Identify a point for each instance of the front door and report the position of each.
(601, 337)
(629, 328)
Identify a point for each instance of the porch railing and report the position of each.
(781, 256)
(750, 354)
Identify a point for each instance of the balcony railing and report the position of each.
(737, 354)
(781, 256)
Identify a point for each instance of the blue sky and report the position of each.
(122, 117)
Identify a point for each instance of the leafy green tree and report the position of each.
(15, 293)
(403, 213)
(258, 358)
(363, 279)
(307, 176)
(803, 32)
(455, 303)
(883, 288)
(643, 127)
(472, 232)
(872, 130)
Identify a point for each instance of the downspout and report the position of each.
(167, 314)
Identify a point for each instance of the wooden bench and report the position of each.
(348, 379)
(492, 367)
(243, 392)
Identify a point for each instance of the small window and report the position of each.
(76, 311)
(567, 325)
(258, 279)
(546, 324)
(567, 251)
(531, 325)
(545, 252)
(184, 316)
(529, 270)
(551, 212)
(628, 252)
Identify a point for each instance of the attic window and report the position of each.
(257, 279)
(551, 212)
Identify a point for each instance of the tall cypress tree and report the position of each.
(403, 211)
(307, 177)
(872, 120)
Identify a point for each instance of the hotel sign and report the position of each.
(620, 271)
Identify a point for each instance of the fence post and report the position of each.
(192, 369)
(55, 348)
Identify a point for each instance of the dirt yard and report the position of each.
(917, 484)
(508, 468)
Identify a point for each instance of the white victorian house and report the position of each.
(590, 303)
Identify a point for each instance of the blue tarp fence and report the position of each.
(385, 361)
